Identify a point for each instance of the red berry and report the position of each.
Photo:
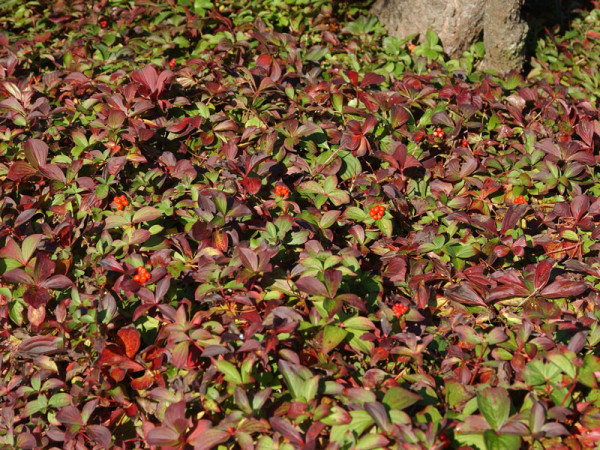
(520, 200)
(465, 142)
(399, 309)
(171, 64)
(411, 47)
(137, 278)
(119, 206)
(103, 23)
(141, 269)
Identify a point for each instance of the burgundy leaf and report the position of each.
(53, 172)
(377, 411)
(511, 217)
(70, 415)
(56, 282)
(399, 115)
(579, 206)
(162, 436)
(465, 294)
(18, 276)
(371, 78)
(286, 430)
(312, 286)
(542, 273)
(100, 434)
(210, 439)
(248, 258)
(39, 345)
(36, 152)
(564, 288)
(20, 170)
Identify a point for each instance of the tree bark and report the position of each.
(458, 23)
(461, 23)
(504, 35)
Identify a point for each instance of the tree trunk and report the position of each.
(504, 35)
(461, 23)
(458, 23)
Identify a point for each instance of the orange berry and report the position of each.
(137, 278)
(119, 206)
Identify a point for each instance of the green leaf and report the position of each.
(29, 245)
(316, 53)
(386, 227)
(494, 405)
(102, 191)
(350, 166)
(536, 373)
(146, 214)
(502, 441)
(230, 371)
(59, 400)
(115, 221)
(400, 398)
(294, 382)
(354, 213)
(332, 336)
(359, 324)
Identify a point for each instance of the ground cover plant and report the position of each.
(266, 224)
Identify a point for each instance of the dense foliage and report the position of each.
(265, 224)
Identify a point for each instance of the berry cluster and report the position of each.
(142, 275)
(399, 309)
(282, 191)
(103, 23)
(377, 212)
(439, 132)
(121, 202)
(171, 64)
(520, 200)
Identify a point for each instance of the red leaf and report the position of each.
(511, 217)
(20, 170)
(18, 276)
(371, 78)
(162, 436)
(465, 294)
(579, 206)
(69, 415)
(370, 123)
(100, 434)
(39, 345)
(57, 282)
(53, 172)
(252, 185)
(111, 263)
(564, 288)
(353, 76)
(399, 115)
(542, 273)
(143, 382)
(312, 286)
(36, 152)
(286, 430)
(36, 296)
(129, 340)
(36, 316)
